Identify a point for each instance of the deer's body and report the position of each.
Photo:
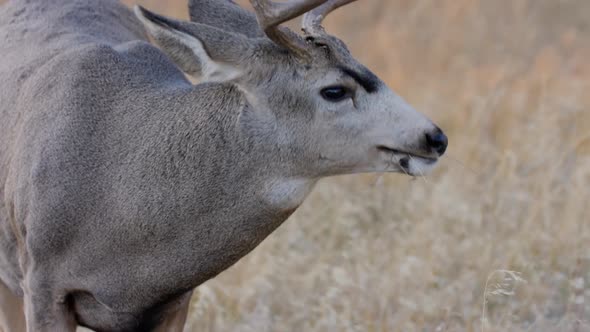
(122, 185)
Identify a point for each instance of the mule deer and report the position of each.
(123, 186)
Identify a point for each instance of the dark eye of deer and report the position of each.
(336, 93)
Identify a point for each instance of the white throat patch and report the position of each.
(287, 193)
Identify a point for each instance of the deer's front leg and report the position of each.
(175, 318)
(44, 310)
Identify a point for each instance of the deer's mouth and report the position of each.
(410, 163)
(402, 153)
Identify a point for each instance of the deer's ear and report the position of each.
(202, 51)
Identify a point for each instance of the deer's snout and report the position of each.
(437, 141)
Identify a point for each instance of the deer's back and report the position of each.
(33, 33)
(73, 78)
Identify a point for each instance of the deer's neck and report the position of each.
(221, 190)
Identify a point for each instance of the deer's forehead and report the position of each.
(330, 59)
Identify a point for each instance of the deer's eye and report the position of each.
(336, 93)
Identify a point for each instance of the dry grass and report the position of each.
(510, 83)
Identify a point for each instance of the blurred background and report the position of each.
(496, 239)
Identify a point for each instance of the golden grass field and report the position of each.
(509, 82)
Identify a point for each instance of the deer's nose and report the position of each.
(437, 141)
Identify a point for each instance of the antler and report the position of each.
(312, 21)
(271, 14)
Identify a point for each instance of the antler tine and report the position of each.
(271, 14)
(312, 21)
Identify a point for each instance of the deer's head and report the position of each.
(306, 93)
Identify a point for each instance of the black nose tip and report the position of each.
(437, 141)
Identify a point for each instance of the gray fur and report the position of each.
(224, 14)
(123, 186)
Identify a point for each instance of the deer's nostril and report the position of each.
(437, 141)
